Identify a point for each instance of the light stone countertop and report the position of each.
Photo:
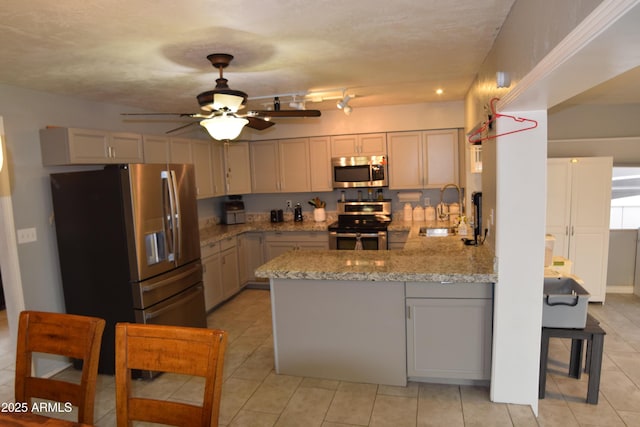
(215, 233)
(423, 259)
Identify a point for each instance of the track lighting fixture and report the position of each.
(298, 105)
(343, 104)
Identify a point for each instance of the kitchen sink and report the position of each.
(437, 232)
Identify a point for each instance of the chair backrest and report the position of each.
(176, 349)
(74, 336)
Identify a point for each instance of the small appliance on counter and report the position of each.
(277, 215)
(234, 210)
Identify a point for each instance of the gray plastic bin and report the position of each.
(565, 303)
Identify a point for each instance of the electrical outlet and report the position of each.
(26, 235)
(288, 202)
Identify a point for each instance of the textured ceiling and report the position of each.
(151, 54)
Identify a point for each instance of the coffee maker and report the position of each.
(476, 201)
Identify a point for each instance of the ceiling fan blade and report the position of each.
(258, 123)
(182, 127)
(158, 114)
(285, 113)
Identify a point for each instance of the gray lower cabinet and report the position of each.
(279, 242)
(397, 239)
(250, 256)
(220, 271)
(211, 276)
(449, 331)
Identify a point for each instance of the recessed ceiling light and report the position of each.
(439, 91)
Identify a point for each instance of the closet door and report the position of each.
(589, 226)
(559, 204)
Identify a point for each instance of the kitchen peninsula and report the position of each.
(423, 313)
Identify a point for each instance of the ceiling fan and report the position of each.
(219, 108)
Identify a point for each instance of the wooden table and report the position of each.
(26, 419)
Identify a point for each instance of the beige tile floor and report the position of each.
(253, 395)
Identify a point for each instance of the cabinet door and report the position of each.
(294, 165)
(180, 150)
(405, 160)
(559, 204)
(449, 338)
(217, 168)
(201, 152)
(156, 149)
(320, 164)
(372, 144)
(229, 270)
(88, 146)
(274, 249)
(344, 145)
(265, 176)
(441, 156)
(397, 239)
(126, 148)
(589, 226)
(212, 280)
(250, 255)
(238, 174)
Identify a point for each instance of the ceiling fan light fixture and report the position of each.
(224, 127)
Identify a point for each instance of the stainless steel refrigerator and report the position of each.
(129, 247)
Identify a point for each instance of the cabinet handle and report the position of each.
(572, 230)
(566, 230)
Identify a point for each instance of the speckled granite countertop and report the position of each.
(424, 259)
(216, 233)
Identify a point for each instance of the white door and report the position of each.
(559, 204)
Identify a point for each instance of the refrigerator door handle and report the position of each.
(188, 295)
(176, 216)
(169, 216)
(172, 279)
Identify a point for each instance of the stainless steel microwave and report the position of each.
(369, 171)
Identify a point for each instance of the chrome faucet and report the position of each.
(444, 215)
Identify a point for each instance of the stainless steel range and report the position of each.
(361, 225)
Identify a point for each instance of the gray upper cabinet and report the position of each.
(72, 146)
(280, 166)
(423, 159)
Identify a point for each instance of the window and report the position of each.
(625, 198)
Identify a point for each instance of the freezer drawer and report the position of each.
(159, 288)
(184, 309)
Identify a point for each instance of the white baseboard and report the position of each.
(620, 289)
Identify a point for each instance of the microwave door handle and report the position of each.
(176, 215)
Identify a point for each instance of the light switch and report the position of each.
(26, 235)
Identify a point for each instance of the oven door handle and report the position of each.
(339, 234)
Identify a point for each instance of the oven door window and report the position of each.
(349, 243)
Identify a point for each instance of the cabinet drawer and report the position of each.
(449, 290)
(228, 243)
(297, 236)
(209, 249)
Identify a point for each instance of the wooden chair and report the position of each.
(74, 336)
(182, 350)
